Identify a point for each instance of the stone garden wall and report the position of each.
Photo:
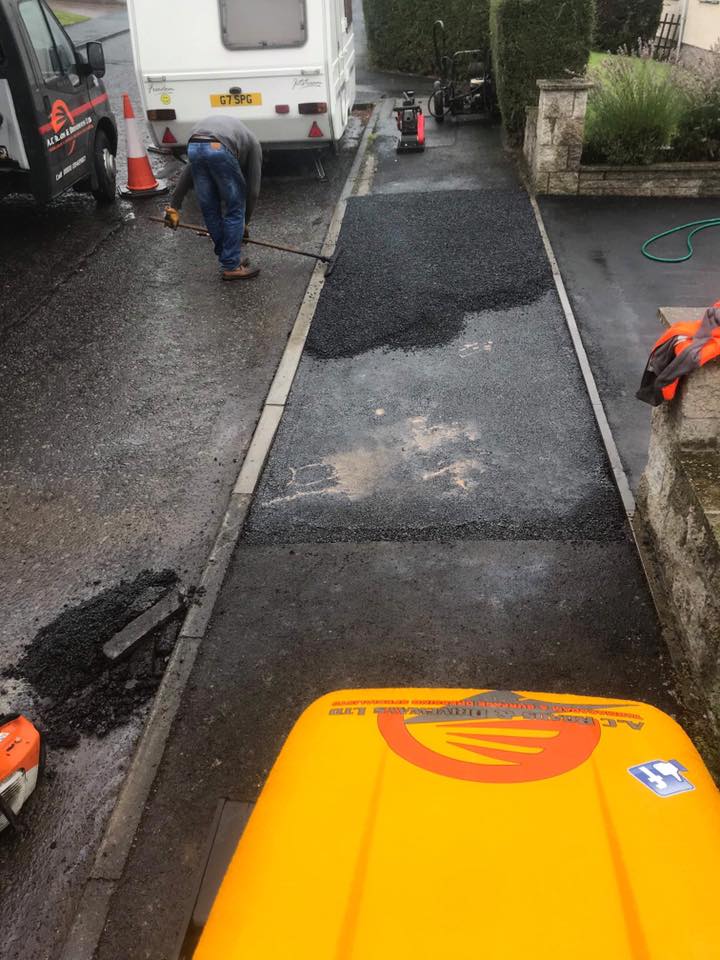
(553, 148)
(679, 500)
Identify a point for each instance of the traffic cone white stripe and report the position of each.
(135, 148)
(141, 179)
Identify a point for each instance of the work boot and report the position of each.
(245, 262)
(241, 273)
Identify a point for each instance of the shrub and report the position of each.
(633, 112)
(621, 23)
(536, 40)
(400, 31)
(698, 130)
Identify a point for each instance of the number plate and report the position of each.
(235, 99)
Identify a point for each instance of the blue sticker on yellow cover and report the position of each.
(664, 777)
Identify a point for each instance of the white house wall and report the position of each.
(703, 24)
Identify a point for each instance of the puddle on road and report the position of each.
(76, 690)
(431, 451)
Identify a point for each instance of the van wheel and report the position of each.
(105, 169)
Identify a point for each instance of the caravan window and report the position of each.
(248, 24)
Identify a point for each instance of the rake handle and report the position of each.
(196, 228)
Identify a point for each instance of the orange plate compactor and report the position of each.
(457, 823)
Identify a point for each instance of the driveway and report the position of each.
(616, 292)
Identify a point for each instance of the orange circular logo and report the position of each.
(60, 116)
(493, 749)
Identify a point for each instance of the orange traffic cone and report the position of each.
(141, 181)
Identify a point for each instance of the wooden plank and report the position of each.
(124, 642)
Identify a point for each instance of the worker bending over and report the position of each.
(225, 168)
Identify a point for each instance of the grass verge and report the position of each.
(599, 60)
(67, 19)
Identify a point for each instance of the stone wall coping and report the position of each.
(572, 84)
(712, 166)
(670, 315)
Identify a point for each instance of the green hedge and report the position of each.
(536, 40)
(621, 23)
(400, 31)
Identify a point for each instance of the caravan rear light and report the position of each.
(310, 108)
(282, 108)
(315, 130)
(157, 115)
(168, 136)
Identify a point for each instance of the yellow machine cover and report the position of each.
(434, 824)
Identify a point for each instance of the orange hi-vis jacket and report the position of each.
(681, 349)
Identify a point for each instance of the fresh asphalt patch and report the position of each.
(408, 272)
(78, 690)
(468, 418)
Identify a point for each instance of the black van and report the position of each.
(56, 127)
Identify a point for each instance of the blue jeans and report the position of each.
(219, 183)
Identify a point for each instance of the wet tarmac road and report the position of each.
(139, 417)
(132, 381)
(41, 246)
(437, 509)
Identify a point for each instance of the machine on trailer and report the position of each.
(285, 67)
(465, 82)
(56, 127)
(432, 823)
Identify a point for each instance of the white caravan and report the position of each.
(286, 67)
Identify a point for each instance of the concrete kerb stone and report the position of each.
(611, 450)
(111, 859)
(88, 927)
(285, 374)
(258, 450)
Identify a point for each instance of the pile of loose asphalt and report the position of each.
(409, 284)
(78, 691)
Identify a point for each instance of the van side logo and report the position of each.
(64, 129)
(60, 116)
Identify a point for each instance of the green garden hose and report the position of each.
(699, 226)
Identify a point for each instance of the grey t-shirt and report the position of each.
(243, 144)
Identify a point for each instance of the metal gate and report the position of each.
(667, 35)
